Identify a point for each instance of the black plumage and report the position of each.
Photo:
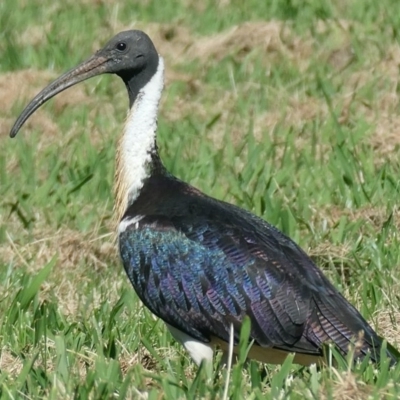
(201, 264)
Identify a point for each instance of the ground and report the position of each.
(289, 109)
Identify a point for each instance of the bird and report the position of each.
(202, 265)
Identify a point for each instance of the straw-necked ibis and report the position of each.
(200, 264)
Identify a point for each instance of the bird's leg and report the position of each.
(199, 352)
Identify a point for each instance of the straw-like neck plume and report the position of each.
(137, 146)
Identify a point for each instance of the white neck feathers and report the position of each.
(138, 142)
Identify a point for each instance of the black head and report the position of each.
(130, 55)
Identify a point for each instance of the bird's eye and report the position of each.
(121, 46)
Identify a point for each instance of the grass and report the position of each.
(289, 109)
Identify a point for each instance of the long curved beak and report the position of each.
(95, 65)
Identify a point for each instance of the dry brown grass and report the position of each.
(12, 90)
(77, 254)
(71, 247)
(346, 386)
(9, 362)
(327, 250)
(382, 112)
(372, 216)
(388, 322)
(13, 365)
(297, 113)
(272, 38)
(35, 35)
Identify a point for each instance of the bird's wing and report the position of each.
(200, 279)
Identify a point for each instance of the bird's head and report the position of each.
(130, 55)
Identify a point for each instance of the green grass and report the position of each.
(303, 132)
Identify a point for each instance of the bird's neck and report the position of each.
(137, 157)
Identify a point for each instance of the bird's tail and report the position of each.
(336, 321)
